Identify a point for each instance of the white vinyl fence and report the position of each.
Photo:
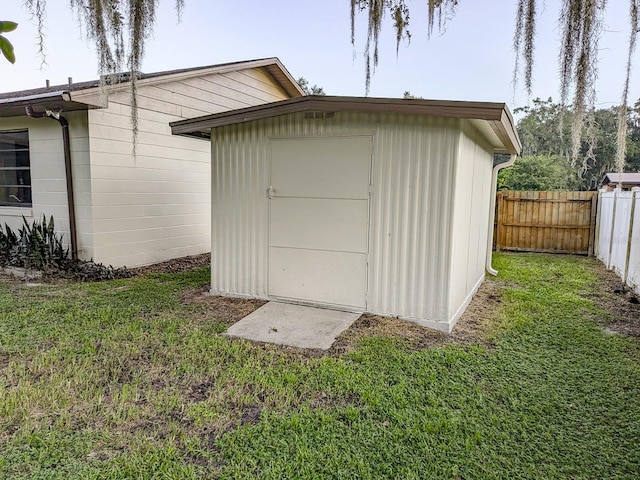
(618, 241)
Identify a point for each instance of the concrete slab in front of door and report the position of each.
(293, 325)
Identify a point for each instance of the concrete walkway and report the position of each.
(293, 325)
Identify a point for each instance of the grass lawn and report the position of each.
(123, 379)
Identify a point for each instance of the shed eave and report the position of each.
(496, 114)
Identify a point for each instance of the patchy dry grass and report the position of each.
(132, 379)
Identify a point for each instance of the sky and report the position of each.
(472, 60)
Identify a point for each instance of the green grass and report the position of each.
(121, 380)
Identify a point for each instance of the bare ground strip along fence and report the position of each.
(557, 222)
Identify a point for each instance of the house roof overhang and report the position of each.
(55, 101)
(90, 94)
(493, 119)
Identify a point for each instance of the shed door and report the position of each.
(319, 212)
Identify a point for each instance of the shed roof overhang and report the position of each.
(493, 120)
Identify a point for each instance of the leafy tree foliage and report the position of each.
(537, 172)
(546, 138)
(308, 89)
(5, 45)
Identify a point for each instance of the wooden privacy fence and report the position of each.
(557, 222)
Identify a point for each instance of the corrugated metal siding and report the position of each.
(412, 178)
(240, 208)
(470, 217)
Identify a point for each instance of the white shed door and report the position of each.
(319, 216)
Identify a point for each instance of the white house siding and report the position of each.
(48, 181)
(156, 206)
(412, 178)
(471, 203)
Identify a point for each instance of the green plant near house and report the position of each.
(37, 246)
(34, 246)
(5, 45)
(40, 247)
(8, 240)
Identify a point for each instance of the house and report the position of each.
(362, 204)
(77, 164)
(625, 181)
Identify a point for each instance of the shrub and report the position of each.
(34, 246)
(37, 246)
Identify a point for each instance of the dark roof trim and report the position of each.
(59, 95)
(496, 114)
(55, 101)
(626, 178)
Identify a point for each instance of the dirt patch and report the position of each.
(250, 414)
(225, 310)
(177, 265)
(4, 361)
(472, 327)
(621, 304)
(200, 392)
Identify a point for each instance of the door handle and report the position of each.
(270, 192)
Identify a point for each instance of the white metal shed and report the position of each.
(375, 205)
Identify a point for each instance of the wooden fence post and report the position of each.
(592, 226)
(499, 220)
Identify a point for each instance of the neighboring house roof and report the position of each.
(493, 119)
(624, 178)
(62, 96)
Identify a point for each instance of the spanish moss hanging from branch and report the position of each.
(375, 12)
(582, 30)
(524, 40)
(439, 11)
(119, 30)
(581, 27)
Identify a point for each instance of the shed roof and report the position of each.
(75, 95)
(625, 178)
(493, 119)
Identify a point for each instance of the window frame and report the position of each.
(17, 204)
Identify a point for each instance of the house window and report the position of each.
(15, 173)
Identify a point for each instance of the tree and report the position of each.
(120, 29)
(539, 172)
(5, 45)
(580, 22)
(544, 130)
(304, 85)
